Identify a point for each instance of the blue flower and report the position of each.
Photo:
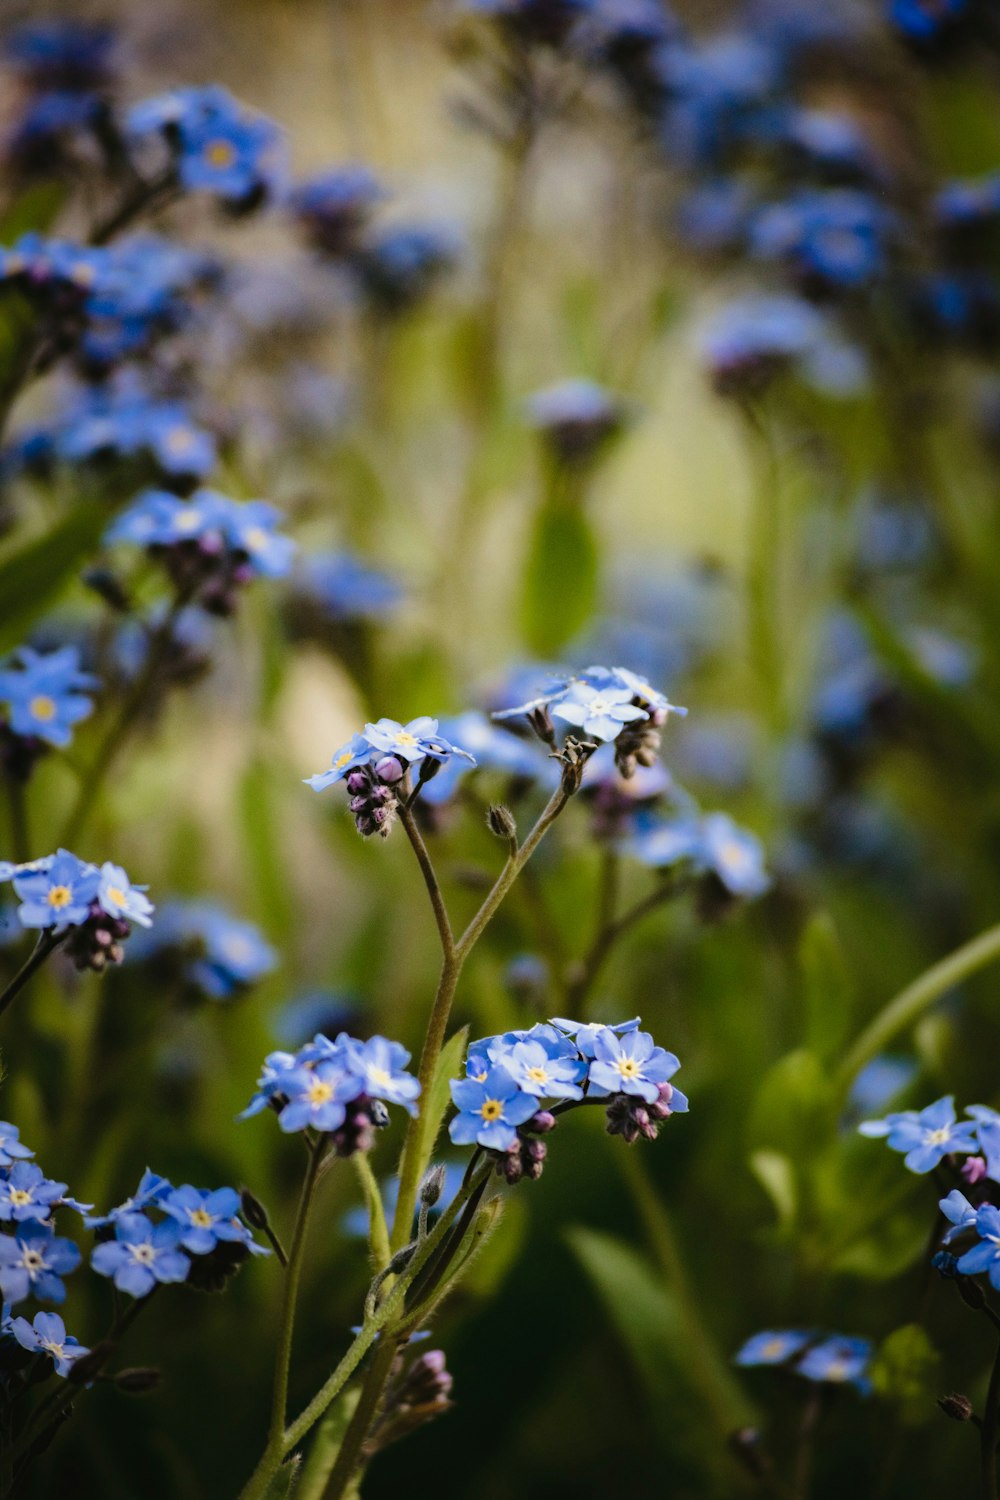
(633, 1064)
(141, 1254)
(357, 752)
(120, 898)
(46, 1334)
(246, 529)
(218, 146)
(271, 1083)
(576, 417)
(754, 338)
(835, 238)
(986, 1255)
(204, 1217)
(537, 1071)
(772, 1348)
(661, 843)
(400, 265)
(585, 1033)
(733, 855)
(33, 1261)
(345, 587)
(25, 1193)
(412, 741)
(236, 954)
(152, 1189)
(44, 694)
(927, 1136)
(381, 1066)
(490, 1110)
(494, 750)
(11, 1148)
(599, 712)
(250, 529)
(318, 1095)
(59, 895)
(838, 1361)
(959, 1212)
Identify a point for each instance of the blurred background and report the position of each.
(673, 344)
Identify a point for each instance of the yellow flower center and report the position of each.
(255, 539)
(939, 1137)
(200, 1218)
(179, 439)
(19, 1197)
(189, 520)
(114, 896)
(220, 153)
(342, 759)
(320, 1092)
(773, 1349)
(478, 1077)
(379, 1077)
(836, 1370)
(627, 1067)
(491, 1109)
(734, 856)
(405, 738)
(538, 1075)
(43, 707)
(51, 1347)
(59, 896)
(237, 948)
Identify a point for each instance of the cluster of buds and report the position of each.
(97, 942)
(639, 743)
(207, 569)
(418, 1395)
(364, 1117)
(373, 798)
(526, 1157)
(631, 1118)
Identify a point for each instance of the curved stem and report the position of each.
(365, 1413)
(415, 837)
(580, 985)
(47, 943)
(910, 1004)
(378, 1234)
(20, 838)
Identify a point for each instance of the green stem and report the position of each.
(581, 983)
(909, 1005)
(989, 1434)
(417, 1146)
(20, 839)
(365, 1413)
(378, 1235)
(293, 1271)
(811, 1413)
(441, 918)
(47, 943)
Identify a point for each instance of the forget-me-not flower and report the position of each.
(44, 695)
(33, 1261)
(490, 1110)
(59, 895)
(46, 1334)
(633, 1064)
(26, 1193)
(926, 1137)
(141, 1255)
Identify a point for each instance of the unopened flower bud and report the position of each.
(253, 1210)
(973, 1169)
(432, 1187)
(500, 821)
(389, 769)
(357, 782)
(541, 1123)
(956, 1406)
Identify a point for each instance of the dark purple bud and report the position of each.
(956, 1406)
(511, 1166)
(657, 717)
(390, 769)
(359, 804)
(541, 1123)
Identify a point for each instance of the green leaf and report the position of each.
(791, 1111)
(439, 1094)
(827, 989)
(776, 1176)
(652, 1326)
(326, 1446)
(905, 1371)
(560, 585)
(34, 575)
(283, 1485)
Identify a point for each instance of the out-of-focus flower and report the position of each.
(215, 144)
(44, 694)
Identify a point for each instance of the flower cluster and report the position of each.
(336, 1088)
(197, 1237)
(211, 546)
(33, 1258)
(43, 696)
(929, 1135)
(376, 766)
(827, 1359)
(511, 1080)
(606, 705)
(983, 1221)
(90, 908)
(211, 952)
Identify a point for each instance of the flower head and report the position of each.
(381, 1067)
(772, 1348)
(33, 1261)
(11, 1148)
(25, 1193)
(838, 1361)
(58, 896)
(44, 694)
(633, 1064)
(926, 1137)
(490, 1111)
(120, 898)
(46, 1334)
(152, 1189)
(204, 1217)
(217, 145)
(141, 1254)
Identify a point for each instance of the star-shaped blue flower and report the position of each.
(926, 1137)
(141, 1254)
(44, 694)
(33, 1262)
(46, 1334)
(59, 895)
(633, 1064)
(490, 1111)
